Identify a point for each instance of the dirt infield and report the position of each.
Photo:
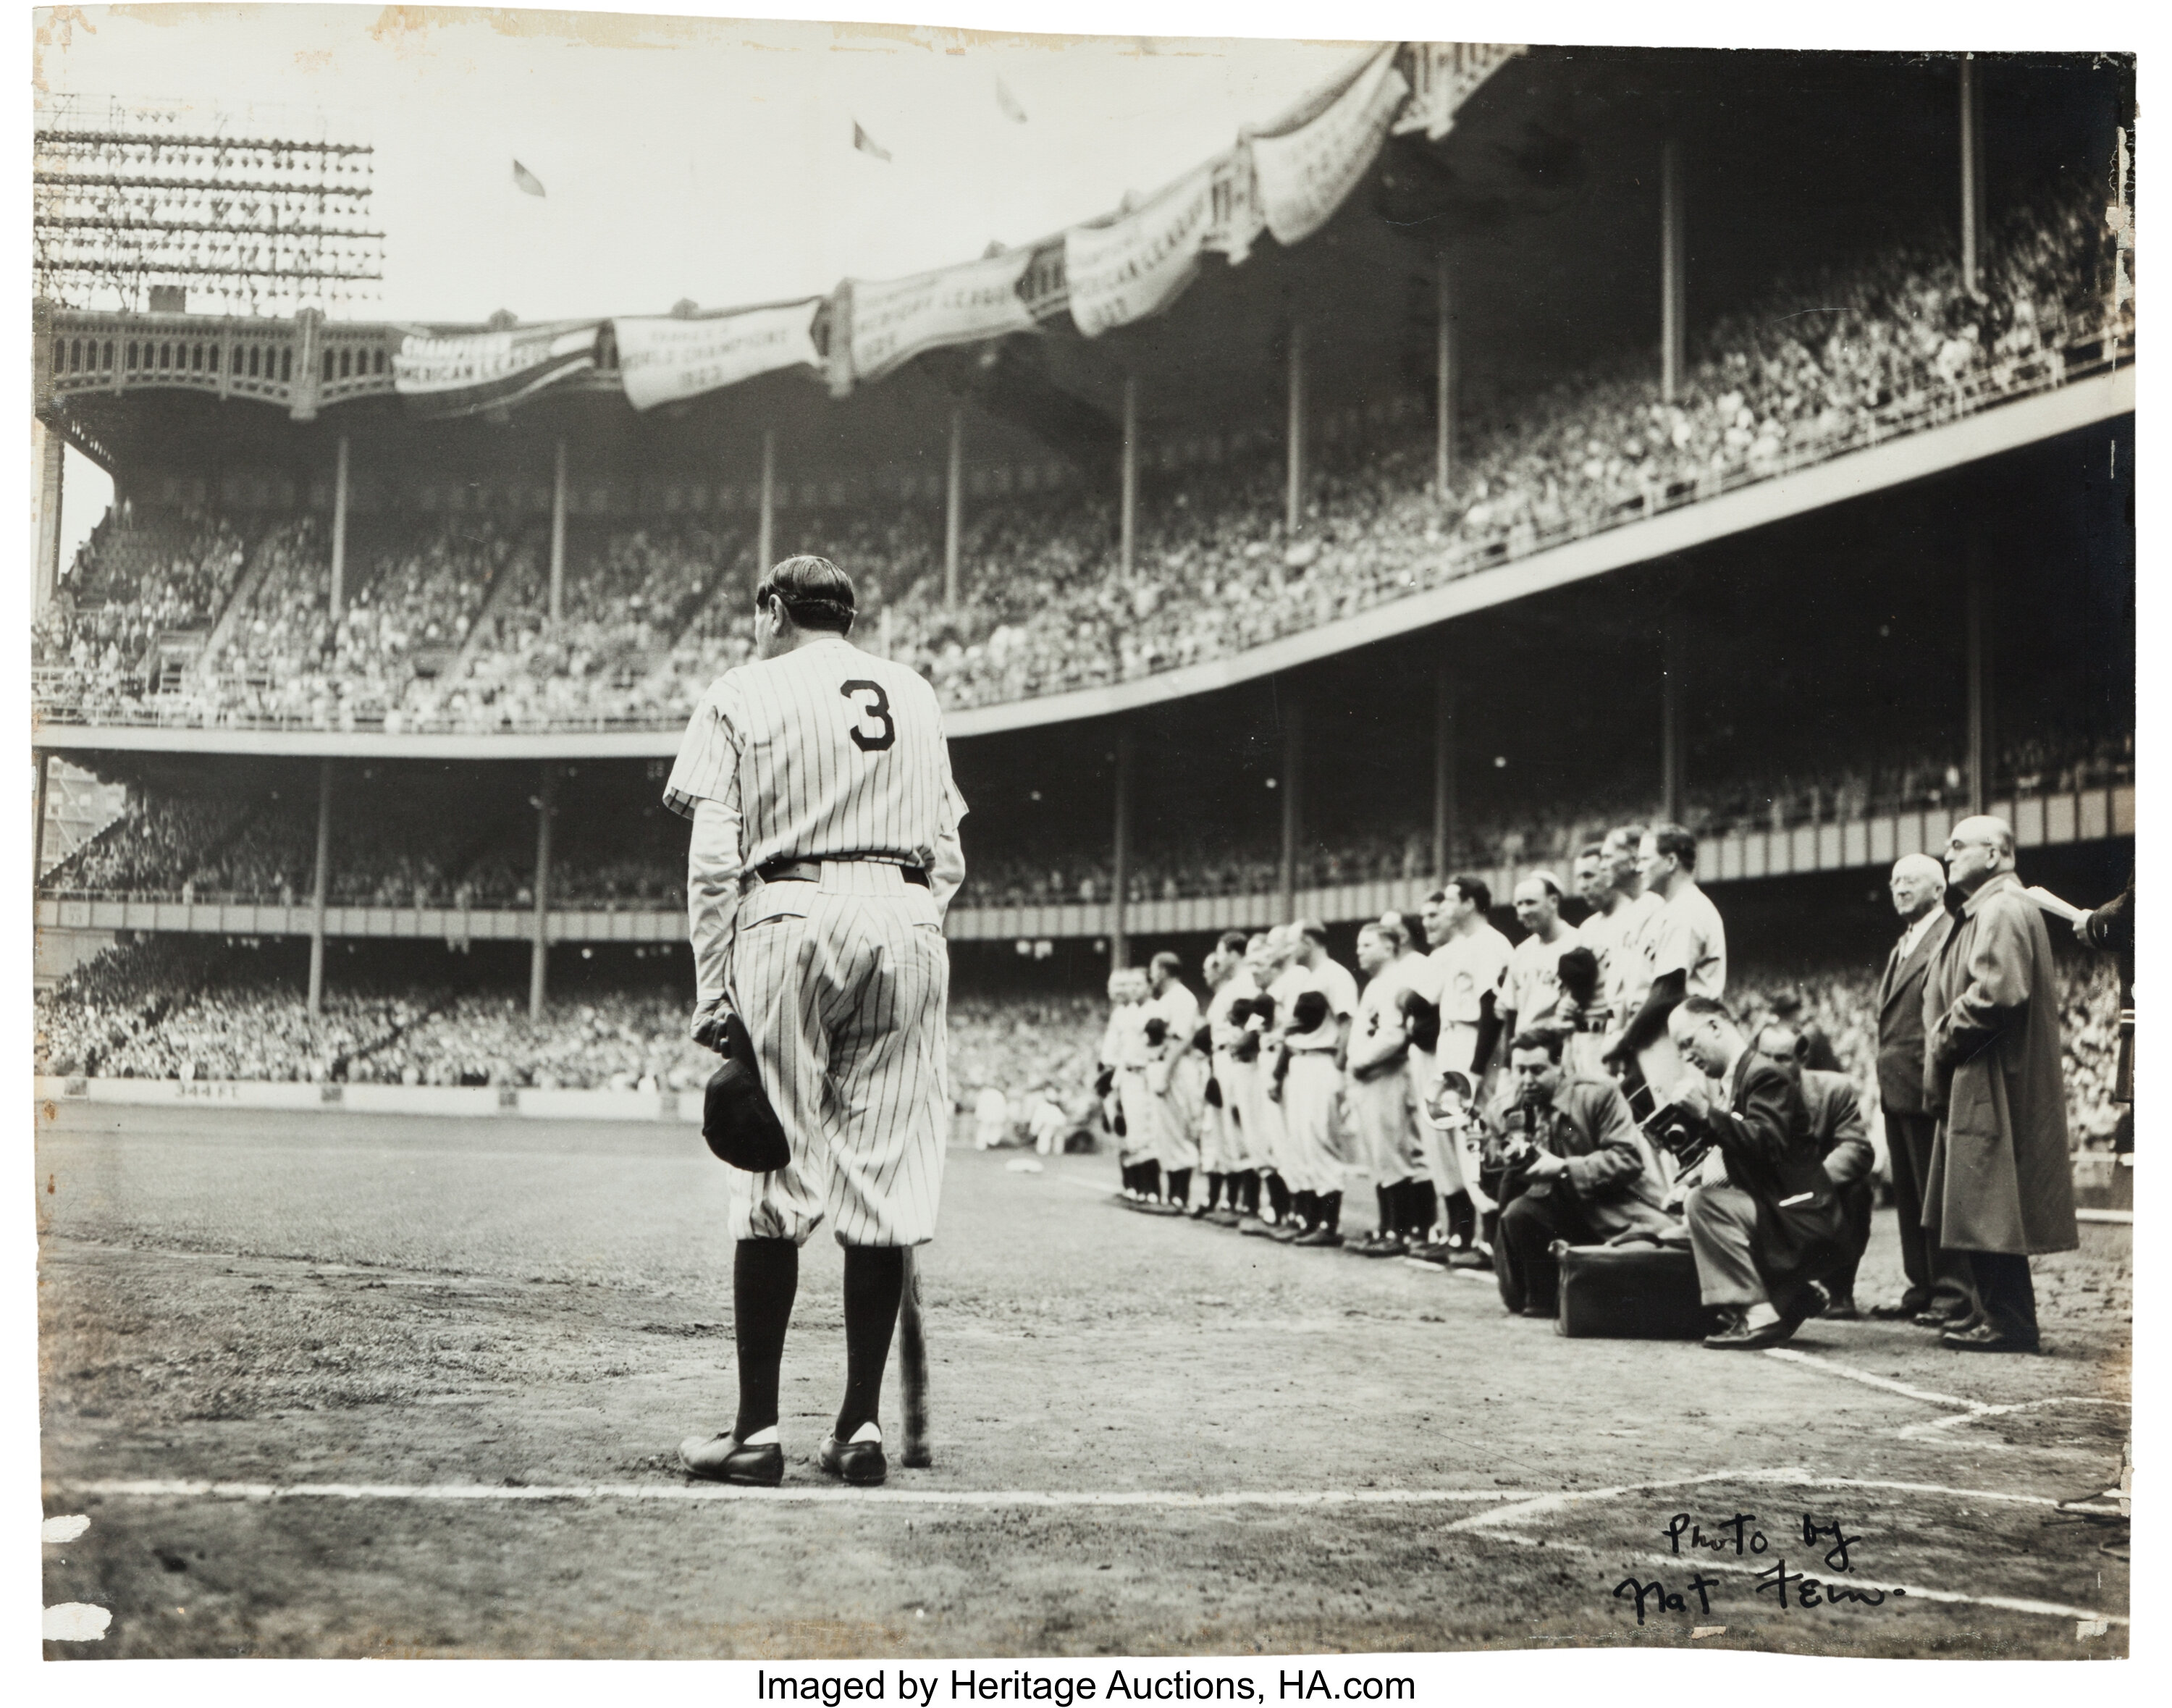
(336, 1384)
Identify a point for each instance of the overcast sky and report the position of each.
(690, 157)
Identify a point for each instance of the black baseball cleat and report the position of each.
(722, 1459)
(1843, 1309)
(860, 1463)
(1322, 1235)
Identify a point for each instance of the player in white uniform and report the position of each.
(825, 849)
(1587, 1021)
(1314, 1049)
(1138, 1148)
(1465, 972)
(1222, 1153)
(1532, 988)
(1176, 1075)
(1684, 946)
(1266, 955)
(1380, 1086)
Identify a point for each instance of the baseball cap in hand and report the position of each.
(737, 1119)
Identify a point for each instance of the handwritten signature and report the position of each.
(1739, 1536)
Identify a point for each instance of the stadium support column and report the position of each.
(1674, 652)
(339, 532)
(1292, 782)
(1119, 859)
(1972, 173)
(45, 763)
(1293, 502)
(558, 535)
(765, 544)
(1443, 771)
(1674, 298)
(1979, 680)
(320, 890)
(1128, 547)
(953, 506)
(52, 470)
(538, 959)
(1443, 361)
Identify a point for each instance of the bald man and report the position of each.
(2000, 1187)
(1938, 1293)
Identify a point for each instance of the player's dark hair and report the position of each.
(1707, 1005)
(1474, 889)
(1166, 962)
(1673, 839)
(814, 593)
(1545, 1037)
(1231, 942)
(1592, 851)
(1313, 931)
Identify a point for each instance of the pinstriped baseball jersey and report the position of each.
(832, 751)
(843, 981)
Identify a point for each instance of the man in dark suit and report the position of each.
(1940, 1292)
(1765, 1236)
(1843, 1142)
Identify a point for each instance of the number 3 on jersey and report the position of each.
(878, 708)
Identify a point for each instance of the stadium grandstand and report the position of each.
(1616, 443)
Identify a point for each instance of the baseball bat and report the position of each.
(912, 1367)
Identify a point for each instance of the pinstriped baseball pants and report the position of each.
(844, 987)
(1306, 1159)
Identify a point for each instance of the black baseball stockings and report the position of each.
(874, 1286)
(764, 1277)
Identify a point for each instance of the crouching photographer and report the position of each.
(1571, 1165)
(1771, 1230)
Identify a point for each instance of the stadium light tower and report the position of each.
(137, 207)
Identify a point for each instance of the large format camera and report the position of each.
(1681, 1134)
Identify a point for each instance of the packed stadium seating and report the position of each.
(446, 627)
(256, 848)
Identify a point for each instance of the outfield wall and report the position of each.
(363, 1098)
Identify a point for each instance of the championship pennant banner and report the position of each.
(894, 320)
(475, 371)
(1304, 175)
(1138, 264)
(665, 360)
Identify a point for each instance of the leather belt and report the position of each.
(791, 869)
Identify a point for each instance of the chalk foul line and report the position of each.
(1850, 1373)
(1514, 1503)
(1788, 1476)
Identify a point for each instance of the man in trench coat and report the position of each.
(2000, 1184)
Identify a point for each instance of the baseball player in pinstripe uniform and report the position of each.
(825, 849)
(1229, 1162)
(1380, 1087)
